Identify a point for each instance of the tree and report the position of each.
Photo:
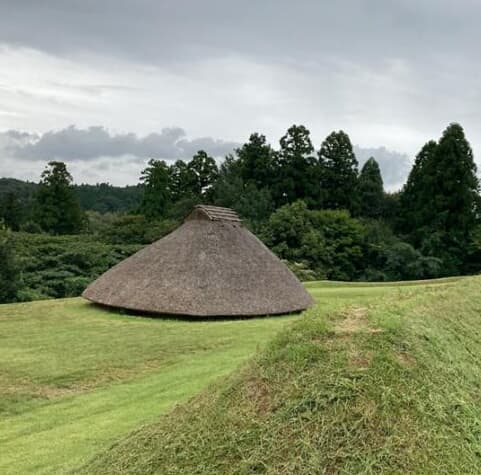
(156, 199)
(256, 161)
(9, 271)
(232, 191)
(440, 202)
(330, 242)
(297, 168)
(416, 194)
(204, 173)
(371, 191)
(338, 172)
(452, 208)
(57, 210)
(12, 211)
(182, 181)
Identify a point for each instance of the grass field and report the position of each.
(75, 378)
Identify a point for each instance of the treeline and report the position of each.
(312, 206)
(102, 198)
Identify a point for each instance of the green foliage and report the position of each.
(297, 169)
(57, 210)
(371, 190)
(329, 241)
(129, 228)
(403, 262)
(62, 266)
(11, 211)
(156, 199)
(257, 162)
(241, 194)
(204, 172)
(9, 269)
(416, 193)
(338, 173)
(181, 181)
(303, 272)
(105, 198)
(440, 203)
(124, 229)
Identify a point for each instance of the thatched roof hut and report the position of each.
(210, 266)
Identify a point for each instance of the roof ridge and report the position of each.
(219, 213)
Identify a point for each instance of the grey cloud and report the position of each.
(394, 166)
(156, 31)
(72, 143)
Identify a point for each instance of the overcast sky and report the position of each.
(106, 84)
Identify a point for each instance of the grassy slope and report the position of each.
(74, 378)
(390, 384)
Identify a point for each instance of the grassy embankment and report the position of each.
(375, 376)
(388, 384)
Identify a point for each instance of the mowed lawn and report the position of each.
(74, 377)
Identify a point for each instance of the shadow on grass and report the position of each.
(185, 318)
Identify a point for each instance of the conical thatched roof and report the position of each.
(210, 266)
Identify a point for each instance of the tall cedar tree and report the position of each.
(339, 173)
(256, 159)
(156, 199)
(454, 202)
(297, 168)
(57, 209)
(371, 190)
(414, 211)
(445, 200)
(9, 272)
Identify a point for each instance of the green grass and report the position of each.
(374, 379)
(76, 380)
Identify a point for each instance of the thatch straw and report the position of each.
(210, 266)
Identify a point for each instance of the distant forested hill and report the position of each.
(101, 197)
(107, 198)
(22, 189)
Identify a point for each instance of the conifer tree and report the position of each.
(371, 191)
(57, 209)
(440, 203)
(297, 168)
(416, 194)
(339, 173)
(453, 201)
(256, 161)
(156, 199)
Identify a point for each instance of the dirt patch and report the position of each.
(406, 360)
(355, 320)
(360, 359)
(258, 393)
